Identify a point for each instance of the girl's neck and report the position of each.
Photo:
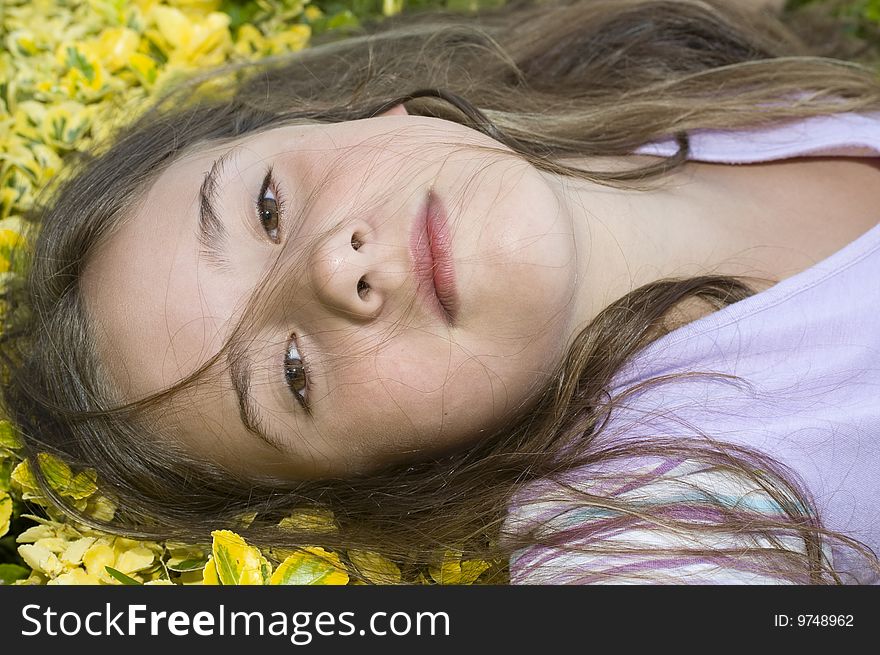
(765, 221)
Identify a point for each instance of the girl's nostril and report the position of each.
(363, 288)
(356, 242)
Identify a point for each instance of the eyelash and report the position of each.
(269, 184)
(292, 346)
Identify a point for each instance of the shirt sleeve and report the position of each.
(596, 545)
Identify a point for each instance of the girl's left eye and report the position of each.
(296, 372)
(270, 206)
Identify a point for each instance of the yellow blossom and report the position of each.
(392, 7)
(209, 575)
(5, 512)
(144, 67)
(309, 519)
(22, 42)
(134, 560)
(9, 438)
(236, 562)
(75, 576)
(9, 238)
(312, 13)
(312, 566)
(191, 42)
(74, 552)
(64, 124)
(374, 567)
(196, 7)
(115, 46)
(250, 42)
(96, 558)
(296, 37)
(100, 507)
(110, 11)
(17, 153)
(41, 559)
(35, 533)
(451, 569)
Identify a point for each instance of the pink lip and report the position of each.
(430, 247)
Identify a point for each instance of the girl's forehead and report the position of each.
(158, 312)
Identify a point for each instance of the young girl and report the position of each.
(589, 287)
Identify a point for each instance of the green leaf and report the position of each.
(75, 59)
(188, 565)
(9, 573)
(83, 485)
(8, 438)
(239, 14)
(119, 575)
(314, 566)
(238, 563)
(344, 19)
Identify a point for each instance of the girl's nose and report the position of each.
(345, 272)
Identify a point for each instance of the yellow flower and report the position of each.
(209, 575)
(115, 46)
(313, 13)
(109, 11)
(64, 124)
(18, 153)
(125, 555)
(97, 557)
(86, 78)
(73, 554)
(391, 7)
(311, 519)
(250, 42)
(8, 436)
(9, 239)
(144, 67)
(196, 7)
(22, 42)
(41, 559)
(80, 488)
(75, 576)
(235, 562)
(100, 507)
(313, 566)
(375, 568)
(451, 569)
(296, 37)
(16, 190)
(5, 512)
(191, 42)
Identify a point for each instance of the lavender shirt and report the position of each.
(808, 349)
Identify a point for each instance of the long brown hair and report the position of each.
(553, 80)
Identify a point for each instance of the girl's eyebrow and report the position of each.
(212, 233)
(240, 375)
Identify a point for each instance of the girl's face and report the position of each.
(349, 359)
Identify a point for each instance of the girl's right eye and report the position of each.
(295, 372)
(270, 206)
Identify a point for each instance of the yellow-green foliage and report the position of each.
(68, 68)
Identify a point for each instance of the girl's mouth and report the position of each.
(431, 250)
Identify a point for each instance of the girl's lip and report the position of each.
(431, 251)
